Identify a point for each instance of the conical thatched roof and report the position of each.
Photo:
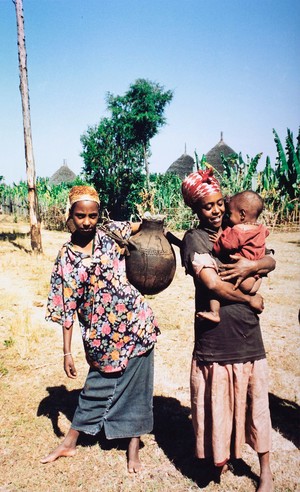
(213, 157)
(63, 175)
(183, 166)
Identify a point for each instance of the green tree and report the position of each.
(140, 113)
(116, 151)
(114, 168)
(2, 186)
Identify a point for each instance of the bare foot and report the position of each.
(133, 461)
(210, 315)
(266, 478)
(224, 469)
(66, 448)
(61, 450)
(220, 470)
(266, 483)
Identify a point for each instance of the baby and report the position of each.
(245, 237)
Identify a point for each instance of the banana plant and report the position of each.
(287, 167)
(200, 163)
(237, 174)
(293, 158)
(267, 178)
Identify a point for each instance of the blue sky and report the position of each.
(233, 66)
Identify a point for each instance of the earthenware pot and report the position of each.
(151, 264)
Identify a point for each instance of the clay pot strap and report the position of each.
(116, 236)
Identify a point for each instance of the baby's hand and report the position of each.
(214, 236)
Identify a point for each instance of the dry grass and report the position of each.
(38, 401)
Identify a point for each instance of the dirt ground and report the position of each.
(38, 400)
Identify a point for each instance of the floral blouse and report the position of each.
(115, 319)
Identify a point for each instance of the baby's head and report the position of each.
(245, 206)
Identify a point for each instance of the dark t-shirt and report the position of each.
(237, 338)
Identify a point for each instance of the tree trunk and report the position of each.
(146, 167)
(35, 223)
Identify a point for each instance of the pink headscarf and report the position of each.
(199, 184)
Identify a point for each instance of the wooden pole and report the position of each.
(35, 223)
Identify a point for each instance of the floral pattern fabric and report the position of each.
(115, 319)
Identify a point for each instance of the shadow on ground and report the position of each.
(175, 436)
(285, 417)
(172, 430)
(12, 238)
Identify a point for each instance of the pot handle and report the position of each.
(173, 239)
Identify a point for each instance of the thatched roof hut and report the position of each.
(63, 175)
(183, 166)
(213, 157)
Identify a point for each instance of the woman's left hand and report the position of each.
(69, 366)
(241, 269)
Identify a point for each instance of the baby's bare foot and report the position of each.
(210, 315)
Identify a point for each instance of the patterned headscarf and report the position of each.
(79, 194)
(199, 184)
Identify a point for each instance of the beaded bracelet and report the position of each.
(69, 353)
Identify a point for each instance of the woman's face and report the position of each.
(210, 210)
(85, 216)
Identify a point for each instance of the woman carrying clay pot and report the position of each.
(118, 329)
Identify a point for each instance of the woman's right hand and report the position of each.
(69, 367)
(256, 302)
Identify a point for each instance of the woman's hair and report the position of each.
(197, 185)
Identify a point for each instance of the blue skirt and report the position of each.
(122, 403)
